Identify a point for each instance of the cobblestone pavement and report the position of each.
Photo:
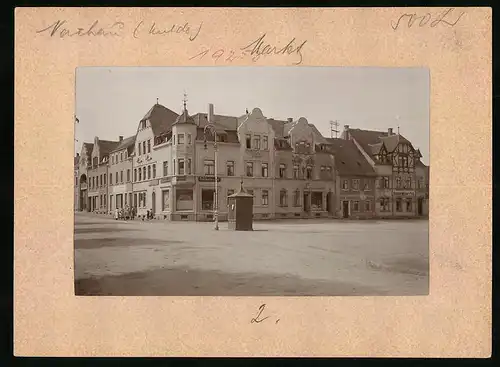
(288, 257)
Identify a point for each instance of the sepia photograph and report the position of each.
(251, 181)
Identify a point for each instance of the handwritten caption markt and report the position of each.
(63, 29)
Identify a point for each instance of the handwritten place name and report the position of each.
(446, 18)
(62, 29)
(59, 28)
(259, 47)
(258, 319)
(155, 30)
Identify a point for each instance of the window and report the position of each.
(283, 198)
(230, 168)
(149, 173)
(100, 180)
(384, 204)
(408, 205)
(121, 176)
(317, 200)
(408, 182)
(398, 182)
(125, 154)
(309, 172)
(173, 167)
(296, 171)
(398, 205)
(173, 139)
(143, 173)
(189, 138)
(188, 168)
(154, 170)
(165, 200)
(256, 142)
(121, 157)
(355, 206)
(208, 167)
(229, 193)
(139, 148)
(110, 178)
(296, 198)
(140, 174)
(405, 161)
(249, 171)
(367, 205)
(249, 141)
(207, 199)
(265, 170)
(180, 138)
(116, 178)
(128, 175)
(105, 179)
(135, 174)
(149, 146)
(282, 171)
(355, 184)
(180, 162)
(386, 182)
(143, 147)
(265, 197)
(165, 168)
(264, 143)
(345, 185)
(367, 186)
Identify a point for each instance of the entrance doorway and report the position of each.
(306, 202)
(153, 202)
(345, 209)
(329, 203)
(420, 204)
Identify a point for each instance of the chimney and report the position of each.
(347, 136)
(289, 119)
(389, 131)
(211, 113)
(120, 138)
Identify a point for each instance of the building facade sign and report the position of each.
(165, 179)
(404, 193)
(208, 179)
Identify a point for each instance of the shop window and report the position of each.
(317, 201)
(165, 199)
(355, 206)
(207, 199)
(398, 205)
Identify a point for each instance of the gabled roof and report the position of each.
(88, 148)
(391, 142)
(161, 119)
(375, 148)
(125, 143)
(348, 159)
(365, 138)
(320, 139)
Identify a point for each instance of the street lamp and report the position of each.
(211, 128)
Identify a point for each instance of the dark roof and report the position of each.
(320, 139)
(278, 126)
(106, 147)
(226, 122)
(184, 118)
(161, 119)
(125, 143)
(348, 159)
(366, 138)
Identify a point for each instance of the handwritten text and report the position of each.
(259, 47)
(446, 18)
(60, 29)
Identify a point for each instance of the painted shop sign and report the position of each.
(165, 179)
(208, 179)
(180, 178)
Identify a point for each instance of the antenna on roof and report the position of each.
(334, 130)
(397, 119)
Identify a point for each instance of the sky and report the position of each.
(111, 101)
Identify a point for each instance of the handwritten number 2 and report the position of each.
(257, 319)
